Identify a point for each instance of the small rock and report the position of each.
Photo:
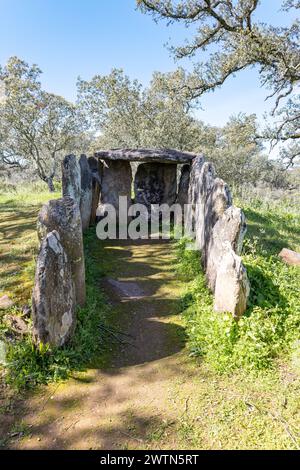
(290, 257)
(5, 302)
(17, 324)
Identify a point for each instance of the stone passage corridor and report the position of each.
(122, 405)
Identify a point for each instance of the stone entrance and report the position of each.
(155, 180)
(162, 177)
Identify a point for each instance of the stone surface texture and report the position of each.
(71, 178)
(63, 216)
(227, 234)
(218, 229)
(86, 192)
(232, 286)
(96, 169)
(53, 300)
(183, 186)
(116, 181)
(5, 302)
(290, 257)
(155, 183)
(147, 155)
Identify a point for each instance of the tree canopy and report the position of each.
(235, 39)
(36, 127)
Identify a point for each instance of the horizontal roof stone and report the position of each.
(147, 155)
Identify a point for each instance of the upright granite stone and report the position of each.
(183, 187)
(53, 300)
(63, 216)
(217, 200)
(201, 183)
(71, 178)
(155, 183)
(86, 192)
(218, 229)
(116, 181)
(227, 234)
(232, 285)
(96, 169)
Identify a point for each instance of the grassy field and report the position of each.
(241, 384)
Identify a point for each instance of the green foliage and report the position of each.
(29, 365)
(233, 38)
(128, 115)
(270, 329)
(36, 128)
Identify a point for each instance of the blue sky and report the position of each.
(68, 38)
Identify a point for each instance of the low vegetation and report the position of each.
(28, 366)
(223, 406)
(270, 329)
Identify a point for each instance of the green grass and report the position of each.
(27, 365)
(219, 402)
(270, 329)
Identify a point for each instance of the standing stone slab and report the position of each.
(183, 187)
(232, 286)
(193, 194)
(228, 233)
(63, 216)
(155, 183)
(53, 300)
(116, 181)
(217, 200)
(96, 169)
(201, 184)
(71, 178)
(86, 192)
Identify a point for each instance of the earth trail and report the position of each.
(130, 404)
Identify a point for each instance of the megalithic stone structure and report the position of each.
(86, 195)
(71, 178)
(63, 216)
(96, 168)
(53, 299)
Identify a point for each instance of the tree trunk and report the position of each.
(50, 185)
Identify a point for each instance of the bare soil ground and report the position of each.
(123, 405)
(152, 394)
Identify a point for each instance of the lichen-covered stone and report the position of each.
(86, 192)
(193, 193)
(183, 187)
(155, 183)
(218, 199)
(63, 216)
(53, 300)
(218, 229)
(227, 233)
(96, 169)
(232, 285)
(144, 155)
(116, 181)
(71, 178)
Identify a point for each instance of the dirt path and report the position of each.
(152, 394)
(129, 404)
